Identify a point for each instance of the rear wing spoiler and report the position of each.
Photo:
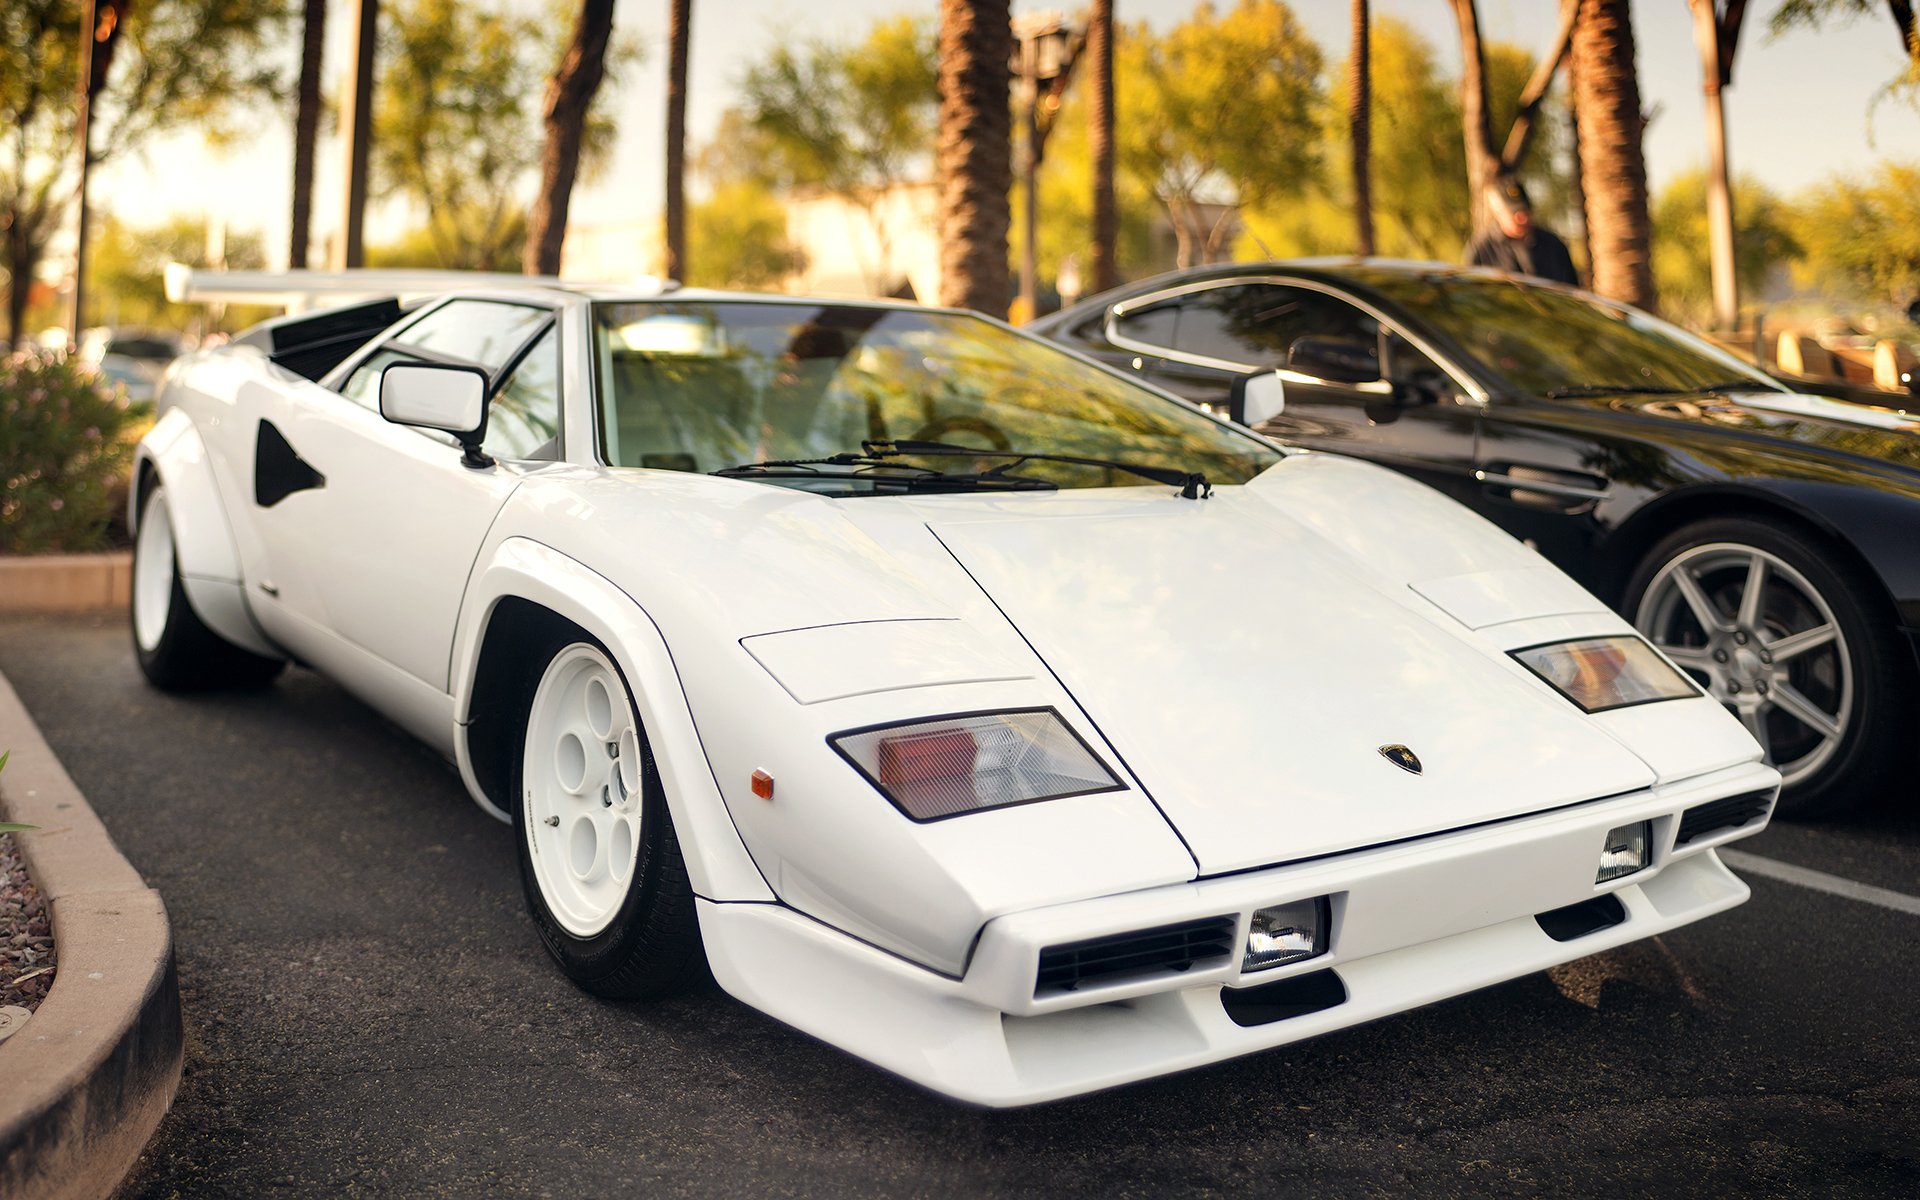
(298, 291)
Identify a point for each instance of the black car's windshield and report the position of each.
(706, 386)
(1547, 341)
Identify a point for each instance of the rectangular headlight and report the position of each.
(1284, 933)
(1607, 672)
(1625, 851)
(949, 766)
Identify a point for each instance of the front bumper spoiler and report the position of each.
(1413, 923)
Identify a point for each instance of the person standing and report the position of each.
(1515, 241)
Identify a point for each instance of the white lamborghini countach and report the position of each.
(954, 699)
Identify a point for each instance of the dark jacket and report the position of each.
(1540, 254)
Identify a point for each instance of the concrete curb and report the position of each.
(89, 1076)
(65, 582)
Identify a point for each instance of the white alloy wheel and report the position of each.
(580, 784)
(153, 572)
(1765, 643)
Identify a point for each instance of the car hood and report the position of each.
(1881, 435)
(1249, 656)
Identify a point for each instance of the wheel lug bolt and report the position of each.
(1765, 657)
(1733, 689)
(1761, 687)
(1719, 656)
(1740, 638)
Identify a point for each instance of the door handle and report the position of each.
(1543, 486)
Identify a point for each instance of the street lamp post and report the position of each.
(1045, 48)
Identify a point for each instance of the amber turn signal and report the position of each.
(763, 785)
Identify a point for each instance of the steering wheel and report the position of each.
(938, 430)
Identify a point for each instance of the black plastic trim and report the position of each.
(1576, 921)
(1294, 996)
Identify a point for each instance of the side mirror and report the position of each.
(1257, 398)
(452, 399)
(1336, 360)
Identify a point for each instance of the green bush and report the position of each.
(64, 450)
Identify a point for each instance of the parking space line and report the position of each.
(1820, 881)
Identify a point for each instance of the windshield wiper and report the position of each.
(1616, 389)
(867, 468)
(1192, 484)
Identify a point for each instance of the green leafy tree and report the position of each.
(853, 121)
(457, 127)
(172, 63)
(737, 237)
(128, 262)
(1763, 239)
(1815, 14)
(1421, 203)
(1223, 111)
(1861, 238)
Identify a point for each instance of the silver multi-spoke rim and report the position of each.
(152, 573)
(581, 785)
(1763, 640)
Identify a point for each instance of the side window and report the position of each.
(1257, 323)
(1151, 326)
(485, 333)
(524, 419)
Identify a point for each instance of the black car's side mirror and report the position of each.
(443, 396)
(1335, 359)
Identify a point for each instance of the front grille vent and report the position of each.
(1716, 815)
(1164, 949)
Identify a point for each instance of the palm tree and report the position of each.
(974, 154)
(1613, 170)
(679, 24)
(1103, 269)
(306, 131)
(1359, 120)
(569, 96)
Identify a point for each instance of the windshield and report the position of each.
(698, 386)
(1544, 340)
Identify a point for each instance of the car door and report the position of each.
(1413, 417)
(372, 556)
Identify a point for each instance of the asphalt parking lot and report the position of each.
(369, 1013)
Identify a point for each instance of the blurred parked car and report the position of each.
(131, 357)
(1768, 541)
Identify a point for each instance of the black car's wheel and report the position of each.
(1787, 638)
(175, 649)
(602, 869)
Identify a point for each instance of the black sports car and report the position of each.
(1768, 542)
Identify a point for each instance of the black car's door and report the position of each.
(1549, 469)
(1413, 416)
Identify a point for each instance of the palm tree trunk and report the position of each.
(1612, 165)
(1476, 120)
(569, 95)
(974, 154)
(679, 28)
(306, 131)
(1360, 120)
(1103, 267)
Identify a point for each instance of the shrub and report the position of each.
(64, 452)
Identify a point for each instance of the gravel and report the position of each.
(26, 937)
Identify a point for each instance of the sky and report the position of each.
(1797, 113)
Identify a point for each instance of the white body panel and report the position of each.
(1237, 662)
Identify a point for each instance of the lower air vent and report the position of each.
(1579, 920)
(1310, 993)
(1168, 948)
(1716, 815)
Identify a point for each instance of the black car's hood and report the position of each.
(1816, 422)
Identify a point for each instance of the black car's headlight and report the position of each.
(948, 766)
(1606, 672)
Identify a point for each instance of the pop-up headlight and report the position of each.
(1609, 672)
(955, 765)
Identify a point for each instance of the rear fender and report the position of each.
(173, 454)
(718, 865)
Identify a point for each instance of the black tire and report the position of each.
(651, 947)
(175, 649)
(1862, 678)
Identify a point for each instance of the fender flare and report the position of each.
(718, 865)
(204, 552)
